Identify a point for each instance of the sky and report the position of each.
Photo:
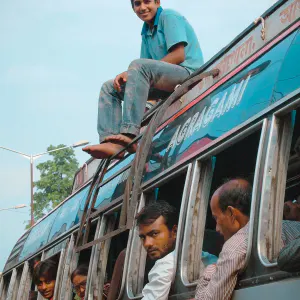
(54, 56)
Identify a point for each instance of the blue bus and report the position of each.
(242, 119)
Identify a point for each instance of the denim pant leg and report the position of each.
(143, 74)
(109, 110)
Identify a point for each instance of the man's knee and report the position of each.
(107, 86)
(139, 64)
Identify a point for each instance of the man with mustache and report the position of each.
(157, 223)
(231, 206)
(170, 52)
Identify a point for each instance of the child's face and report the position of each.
(146, 9)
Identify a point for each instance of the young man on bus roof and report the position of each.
(170, 52)
(230, 206)
(157, 223)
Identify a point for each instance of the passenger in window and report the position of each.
(230, 206)
(79, 278)
(44, 276)
(157, 223)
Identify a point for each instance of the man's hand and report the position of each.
(119, 80)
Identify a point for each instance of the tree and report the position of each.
(56, 180)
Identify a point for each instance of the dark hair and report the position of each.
(81, 270)
(47, 269)
(154, 210)
(236, 195)
(141, 0)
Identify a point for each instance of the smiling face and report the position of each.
(146, 10)
(158, 240)
(46, 287)
(79, 284)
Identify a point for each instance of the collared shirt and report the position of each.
(161, 276)
(171, 28)
(218, 281)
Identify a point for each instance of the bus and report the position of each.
(238, 116)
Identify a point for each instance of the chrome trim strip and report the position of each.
(186, 239)
(255, 189)
(264, 205)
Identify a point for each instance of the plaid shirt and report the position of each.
(218, 281)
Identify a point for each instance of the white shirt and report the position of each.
(160, 279)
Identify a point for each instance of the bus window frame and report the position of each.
(100, 255)
(137, 253)
(2, 285)
(281, 133)
(263, 127)
(65, 285)
(11, 285)
(25, 282)
(100, 251)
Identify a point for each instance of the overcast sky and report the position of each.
(54, 57)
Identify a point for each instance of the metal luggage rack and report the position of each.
(133, 184)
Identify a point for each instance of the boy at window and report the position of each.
(44, 276)
(157, 223)
(170, 52)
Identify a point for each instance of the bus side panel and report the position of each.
(284, 289)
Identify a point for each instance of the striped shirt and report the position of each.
(218, 281)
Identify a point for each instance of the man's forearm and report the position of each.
(176, 56)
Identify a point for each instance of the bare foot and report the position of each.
(104, 150)
(122, 140)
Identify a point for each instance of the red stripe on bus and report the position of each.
(231, 74)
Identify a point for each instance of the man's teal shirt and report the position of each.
(171, 28)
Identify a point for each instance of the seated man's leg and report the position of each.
(144, 74)
(109, 118)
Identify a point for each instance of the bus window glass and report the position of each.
(38, 236)
(112, 190)
(68, 215)
(236, 161)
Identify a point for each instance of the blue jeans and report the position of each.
(147, 79)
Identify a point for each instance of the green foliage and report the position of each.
(56, 179)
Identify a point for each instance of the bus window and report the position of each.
(5, 280)
(104, 256)
(79, 274)
(202, 244)
(280, 207)
(115, 266)
(172, 190)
